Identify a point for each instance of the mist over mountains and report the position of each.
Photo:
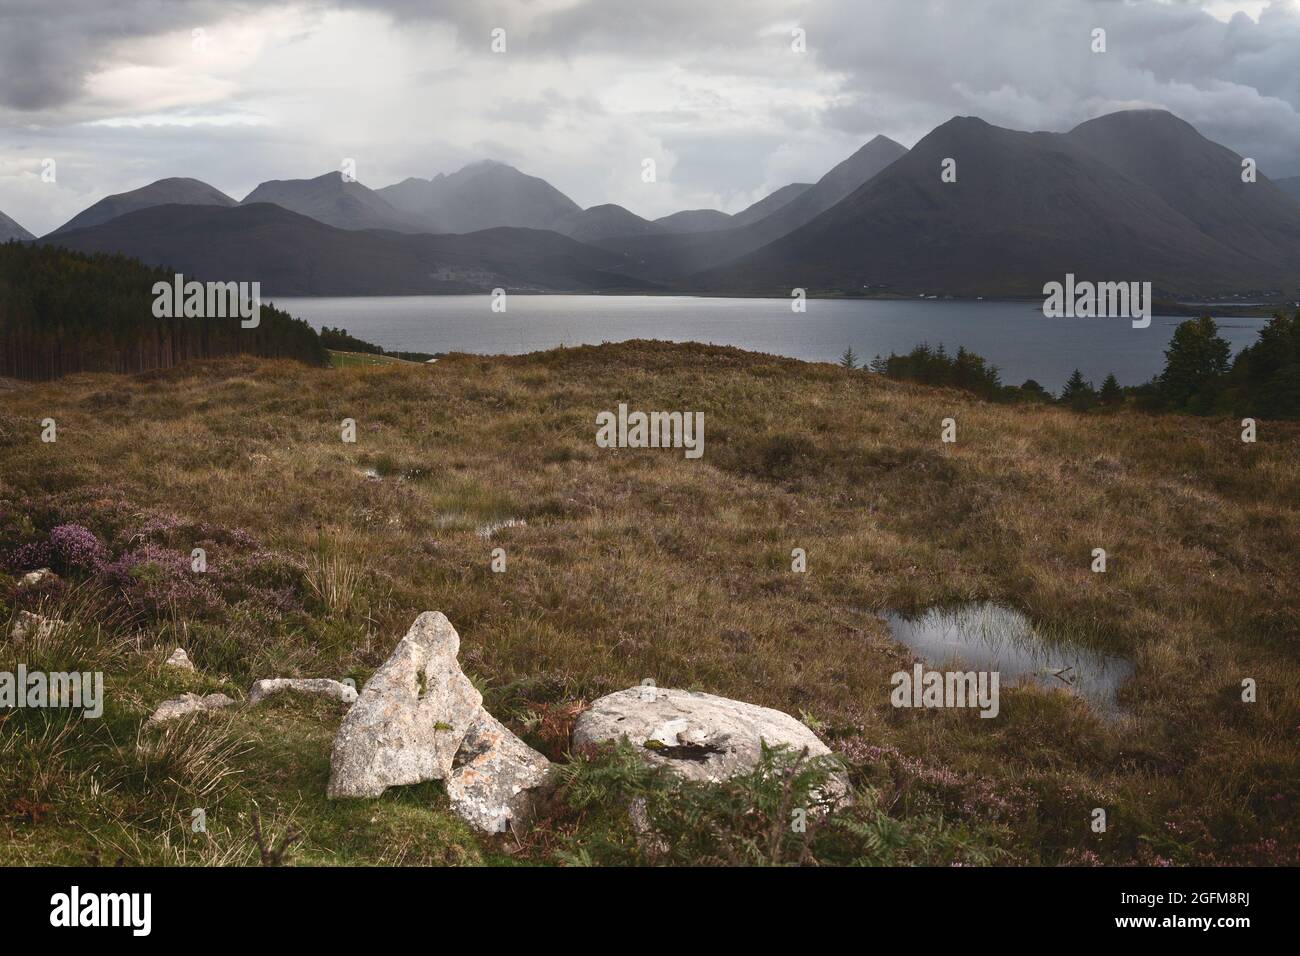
(1133, 196)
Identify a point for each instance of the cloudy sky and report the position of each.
(123, 92)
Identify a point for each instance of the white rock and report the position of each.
(32, 578)
(302, 685)
(410, 717)
(699, 736)
(29, 625)
(180, 659)
(188, 704)
(495, 778)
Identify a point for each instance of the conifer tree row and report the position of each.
(63, 312)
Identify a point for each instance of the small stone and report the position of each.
(36, 578)
(188, 704)
(495, 778)
(180, 659)
(29, 625)
(263, 689)
(410, 717)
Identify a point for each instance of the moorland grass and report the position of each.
(632, 564)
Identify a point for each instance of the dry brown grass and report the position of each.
(640, 563)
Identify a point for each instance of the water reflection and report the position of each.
(988, 637)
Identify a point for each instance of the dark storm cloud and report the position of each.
(1031, 66)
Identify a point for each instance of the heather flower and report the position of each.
(75, 547)
(30, 556)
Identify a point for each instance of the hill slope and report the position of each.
(1290, 185)
(676, 256)
(181, 191)
(769, 203)
(11, 230)
(605, 222)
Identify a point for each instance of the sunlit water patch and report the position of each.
(988, 637)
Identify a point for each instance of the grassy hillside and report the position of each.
(636, 564)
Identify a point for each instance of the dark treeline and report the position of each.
(1199, 378)
(339, 340)
(63, 312)
(964, 370)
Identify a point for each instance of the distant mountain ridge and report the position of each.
(176, 190)
(11, 230)
(293, 254)
(483, 195)
(1133, 196)
(695, 220)
(1122, 198)
(335, 201)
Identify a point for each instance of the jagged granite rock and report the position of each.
(699, 736)
(496, 777)
(410, 717)
(188, 704)
(179, 659)
(263, 689)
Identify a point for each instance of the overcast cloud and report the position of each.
(122, 92)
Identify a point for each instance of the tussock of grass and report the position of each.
(639, 563)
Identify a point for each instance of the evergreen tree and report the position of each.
(1265, 378)
(849, 359)
(1196, 364)
(1078, 393)
(1111, 392)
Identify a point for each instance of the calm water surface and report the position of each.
(988, 637)
(1015, 336)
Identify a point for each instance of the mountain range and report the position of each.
(293, 254)
(1137, 195)
(1133, 196)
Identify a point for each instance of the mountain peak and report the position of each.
(483, 195)
(335, 201)
(486, 164)
(177, 190)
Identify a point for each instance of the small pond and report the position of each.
(988, 637)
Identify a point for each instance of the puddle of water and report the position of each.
(488, 530)
(988, 637)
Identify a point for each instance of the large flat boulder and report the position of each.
(410, 717)
(699, 736)
(496, 777)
